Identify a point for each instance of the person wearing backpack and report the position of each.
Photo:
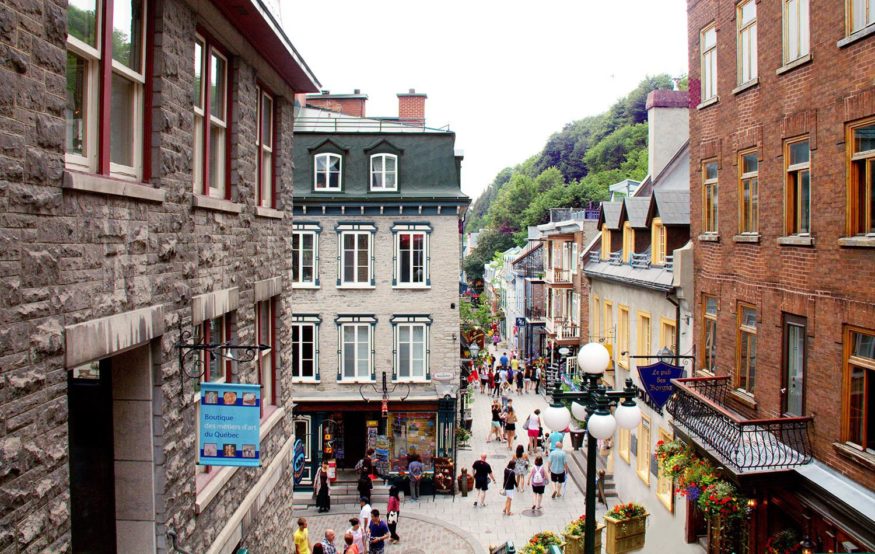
(538, 480)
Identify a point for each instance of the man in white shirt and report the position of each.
(365, 519)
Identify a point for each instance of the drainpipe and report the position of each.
(672, 297)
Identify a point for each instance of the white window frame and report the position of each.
(399, 369)
(708, 63)
(342, 282)
(868, 15)
(297, 260)
(357, 377)
(94, 57)
(796, 16)
(327, 156)
(299, 322)
(384, 172)
(426, 278)
(746, 40)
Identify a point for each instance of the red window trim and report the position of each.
(272, 323)
(104, 108)
(209, 44)
(262, 90)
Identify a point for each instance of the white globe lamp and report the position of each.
(557, 417)
(628, 414)
(593, 358)
(578, 411)
(601, 426)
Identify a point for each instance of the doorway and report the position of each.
(355, 438)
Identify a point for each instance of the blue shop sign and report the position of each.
(520, 322)
(230, 415)
(656, 379)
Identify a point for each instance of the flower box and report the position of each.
(574, 543)
(625, 535)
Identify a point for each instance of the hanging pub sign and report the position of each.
(656, 379)
(229, 424)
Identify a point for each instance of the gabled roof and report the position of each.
(637, 210)
(672, 206)
(610, 214)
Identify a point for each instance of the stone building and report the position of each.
(785, 308)
(146, 188)
(376, 284)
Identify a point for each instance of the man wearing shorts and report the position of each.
(558, 468)
(482, 476)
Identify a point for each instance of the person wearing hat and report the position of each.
(358, 538)
(365, 519)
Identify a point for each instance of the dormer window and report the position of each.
(659, 240)
(384, 172)
(327, 171)
(628, 242)
(606, 243)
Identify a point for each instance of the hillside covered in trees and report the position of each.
(575, 168)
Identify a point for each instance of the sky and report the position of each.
(503, 75)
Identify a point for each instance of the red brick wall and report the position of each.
(832, 286)
(411, 108)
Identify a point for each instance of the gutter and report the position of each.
(672, 297)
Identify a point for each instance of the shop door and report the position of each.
(92, 475)
(355, 438)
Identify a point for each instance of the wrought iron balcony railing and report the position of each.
(698, 406)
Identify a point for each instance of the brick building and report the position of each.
(146, 188)
(376, 285)
(785, 309)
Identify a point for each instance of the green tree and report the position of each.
(489, 242)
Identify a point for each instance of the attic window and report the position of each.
(327, 171)
(384, 172)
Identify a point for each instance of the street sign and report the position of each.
(520, 322)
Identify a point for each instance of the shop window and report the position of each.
(106, 82)
(860, 387)
(861, 193)
(409, 434)
(745, 371)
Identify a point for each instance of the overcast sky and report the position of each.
(503, 75)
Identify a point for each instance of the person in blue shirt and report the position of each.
(379, 532)
(504, 360)
(555, 438)
(558, 468)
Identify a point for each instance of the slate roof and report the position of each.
(637, 210)
(656, 277)
(610, 215)
(673, 206)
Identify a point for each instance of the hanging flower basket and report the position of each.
(721, 499)
(697, 476)
(626, 527)
(574, 534)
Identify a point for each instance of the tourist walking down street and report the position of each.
(558, 468)
(510, 427)
(379, 533)
(521, 467)
(414, 468)
(484, 376)
(509, 485)
(482, 476)
(357, 534)
(301, 537)
(519, 381)
(495, 424)
(490, 376)
(538, 480)
(533, 429)
(365, 518)
(556, 438)
(321, 488)
(393, 510)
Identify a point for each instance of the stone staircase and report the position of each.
(344, 492)
(577, 472)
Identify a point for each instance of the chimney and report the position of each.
(411, 107)
(347, 104)
(668, 120)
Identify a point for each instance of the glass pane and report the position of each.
(857, 405)
(334, 164)
(749, 163)
(795, 357)
(124, 93)
(710, 38)
(792, 25)
(799, 152)
(217, 86)
(748, 12)
(197, 96)
(745, 57)
(864, 138)
(77, 71)
(127, 33)
(267, 121)
(752, 360)
(82, 21)
(217, 157)
(391, 165)
(864, 345)
(216, 336)
(711, 170)
(743, 362)
(264, 323)
(754, 205)
(870, 186)
(266, 179)
(804, 37)
(753, 50)
(378, 164)
(858, 14)
(321, 163)
(748, 317)
(804, 202)
(198, 154)
(711, 306)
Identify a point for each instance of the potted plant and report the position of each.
(462, 436)
(574, 534)
(540, 542)
(626, 527)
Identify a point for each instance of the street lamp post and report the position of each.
(595, 409)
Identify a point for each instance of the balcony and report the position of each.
(558, 276)
(745, 446)
(563, 329)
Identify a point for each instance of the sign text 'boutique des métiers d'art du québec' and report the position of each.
(230, 416)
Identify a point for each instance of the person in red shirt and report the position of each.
(392, 511)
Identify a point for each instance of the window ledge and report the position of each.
(261, 211)
(212, 487)
(848, 451)
(412, 381)
(790, 66)
(356, 287)
(411, 287)
(859, 242)
(305, 381)
(858, 35)
(744, 398)
(709, 237)
(101, 184)
(305, 286)
(796, 240)
(745, 86)
(361, 381)
(750, 238)
(215, 204)
(709, 102)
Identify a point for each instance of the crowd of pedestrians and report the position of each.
(501, 375)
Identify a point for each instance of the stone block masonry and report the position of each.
(85, 260)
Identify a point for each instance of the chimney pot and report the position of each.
(412, 91)
(357, 91)
(326, 91)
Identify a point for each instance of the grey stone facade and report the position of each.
(97, 268)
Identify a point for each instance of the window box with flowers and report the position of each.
(574, 535)
(626, 525)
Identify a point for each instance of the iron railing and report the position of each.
(558, 275)
(698, 406)
(340, 124)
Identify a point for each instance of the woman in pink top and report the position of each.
(392, 510)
